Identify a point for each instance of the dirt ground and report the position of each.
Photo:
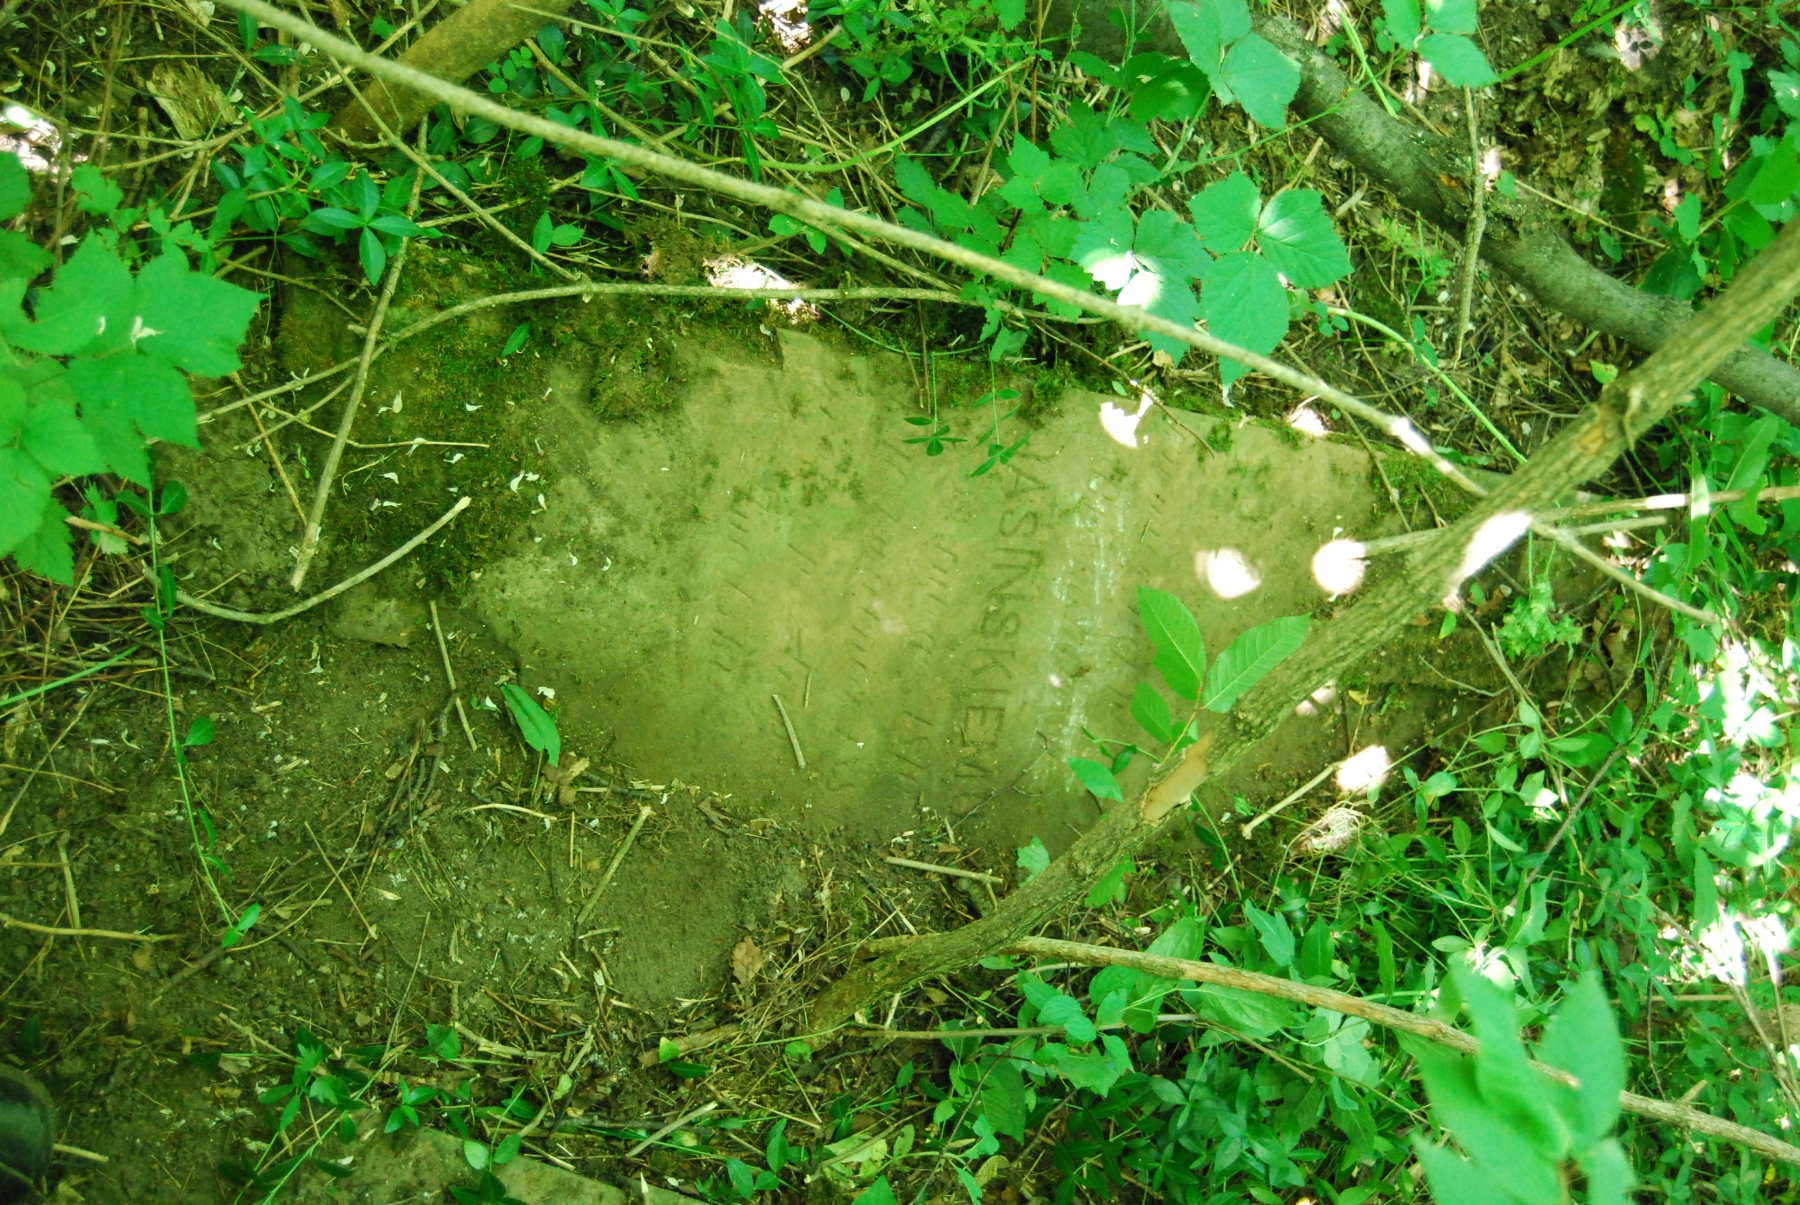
(940, 643)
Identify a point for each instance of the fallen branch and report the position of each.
(1685, 1116)
(56, 931)
(201, 605)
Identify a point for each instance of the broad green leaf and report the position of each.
(1064, 1010)
(1185, 939)
(200, 733)
(55, 437)
(20, 258)
(1097, 779)
(1784, 88)
(1296, 235)
(1034, 859)
(535, 724)
(1263, 79)
(47, 551)
(1776, 178)
(1197, 25)
(1481, 1128)
(1402, 21)
(191, 319)
(12, 407)
(1028, 159)
(119, 444)
(1171, 244)
(914, 181)
(1583, 1039)
(1245, 304)
(1225, 213)
(1180, 652)
(1003, 1100)
(1609, 1174)
(1706, 893)
(1450, 16)
(878, 1193)
(1344, 1053)
(1272, 927)
(24, 491)
(1317, 949)
(516, 340)
(97, 193)
(1151, 711)
(1110, 888)
(152, 395)
(1250, 657)
(372, 254)
(88, 307)
(1457, 59)
(1250, 1013)
(1089, 139)
(1095, 1070)
(1511, 1090)
(15, 186)
(1456, 1181)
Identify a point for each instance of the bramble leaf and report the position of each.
(1295, 234)
(1457, 59)
(24, 488)
(191, 319)
(15, 186)
(1263, 79)
(1245, 304)
(1225, 213)
(152, 395)
(87, 308)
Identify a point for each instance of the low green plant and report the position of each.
(536, 725)
(1533, 626)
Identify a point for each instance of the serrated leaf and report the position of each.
(1244, 303)
(1457, 59)
(1033, 859)
(1028, 159)
(1451, 16)
(1403, 24)
(1003, 1100)
(1583, 1039)
(1250, 657)
(914, 181)
(15, 186)
(152, 395)
(1455, 1180)
(1514, 1095)
(1180, 651)
(1170, 245)
(56, 439)
(117, 439)
(191, 319)
(1088, 138)
(1097, 779)
(1295, 234)
(20, 258)
(12, 407)
(24, 489)
(1151, 711)
(86, 308)
(1263, 79)
(48, 551)
(1225, 213)
(1197, 25)
(1784, 88)
(97, 193)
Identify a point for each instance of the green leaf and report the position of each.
(1009, 13)
(1296, 235)
(1344, 1053)
(1263, 79)
(1272, 927)
(1151, 711)
(97, 193)
(1402, 18)
(200, 733)
(1245, 304)
(55, 437)
(24, 491)
(535, 724)
(1250, 1013)
(1706, 892)
(1609, 1174)
(1776, 178)
(191, 319)
(119, 444)
(516, 340)
(1225, 213)
(1033, 859)
(1110, 888)
(235, 932)
(1451, 16)
(47, 551)
(15, 186)
(12, 407)
(540, 234)
(1180, 652)
(1457, 59)
(1250, 657)
(1056, 1008)
(1003, 1100)
(372, 254)
(1456, 1181)
(1514, 1095)
(88, 307)
(1097, 779)
(1482, 1129)
(1583, 1039)
(915, 182)
(878, 1193)
(1784, 88)
(20, 258)
(152, 395)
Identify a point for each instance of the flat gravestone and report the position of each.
(939, 641)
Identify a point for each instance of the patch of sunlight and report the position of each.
(30, 136)
(1318, 700)
(735, 272)
(1339, 566)
(1227, 571)
(787, 22)
(1364, 771)
(1491, 539)
(1304, 419)
(1122, 424)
